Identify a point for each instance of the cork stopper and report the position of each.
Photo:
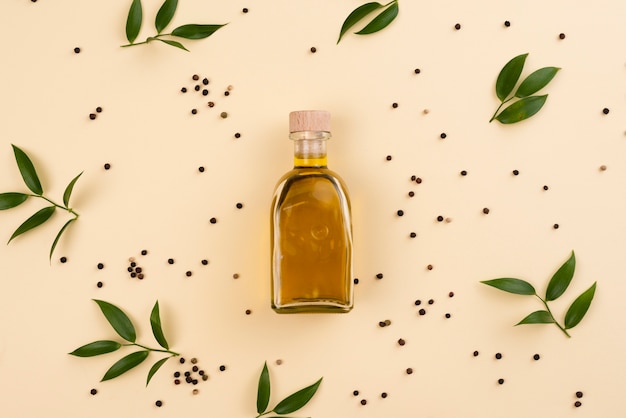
(309, 120)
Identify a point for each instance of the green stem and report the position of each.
(148, 39)
(158, 350)
(391, 2)
(552, 316)
(264, 413)
(499, 107)
(69, 210)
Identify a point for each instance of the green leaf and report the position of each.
(155, 367)
(56, 240)
(263, 392)
(27, 169)
(68, 191)
(297, 400)
(118, 320)
(11, 200)
(165, 14)
(172, 43)
(509, 75)
(125, 364)
(356, 15)
(133, 22)
(522, 109)
(537, 317)
(157, 331)
(34, 221)
(579, 307)
(96, 348)
(516, 286)
(381, 21)
(536, 81)
(196, 31)
(561, 279)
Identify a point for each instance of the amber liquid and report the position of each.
(311, 243)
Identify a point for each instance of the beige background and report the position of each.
(154, 198)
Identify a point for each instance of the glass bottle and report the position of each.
(311, 229)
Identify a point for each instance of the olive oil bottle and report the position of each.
(311, 229)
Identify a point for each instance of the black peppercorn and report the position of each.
(226, 93)
(388, 158)
(205, 81)
(176, 374)
(555, 226)
(159, 403)
(401, 341)
(475, 353)
(379, 276)
(195, 77)
(194, 111)
(313, 50)
(545, 187)
(536, 357)
(413, 235)
(133, 264)
(486, 211)
(507, 23)
(183, 90)
(498, 356)
(418, 180)
(77, 50)
(188, 274)
(181, 360)
(356, 280)
(579, 394)
(448, 316)
(417, 71)
(409, 371)
(457, 26)
(107, 166)
(239, 205)
(451, 294)
(244, 10)
(443, 135)
(205, 92)
(411, 193)
(440, 218)
(418, 302)
(213, 220)
(394, 105)
(355, 393)
(561, 36)
(500, 381)
(237, 135)
(222, 368)
(383, 395)
(363, 402)
(63, 259)
(205, 262)
(422, 312)
(98, 109)
(400, 213)
(170, 261)
(201, 169)
(248, 311)
(211, 104)
(99, 284)
(464, 173)
(93, 391)
(577, 404)
(92, 116)
(515, 172)
(138, 270)
(100, 266)
(431, 301)
(605, 110)
(196, 87)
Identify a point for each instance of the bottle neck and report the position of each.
(309, 148)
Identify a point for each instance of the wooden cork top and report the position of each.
(309, 120)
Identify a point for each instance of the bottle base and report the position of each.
(311, 307)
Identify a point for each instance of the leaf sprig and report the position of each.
(556, 287)
(31, 179)
(163, 18)
(380, 21)
(124, 327)
(290, 404)
(527, 105)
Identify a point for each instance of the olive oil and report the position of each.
(311, 226)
